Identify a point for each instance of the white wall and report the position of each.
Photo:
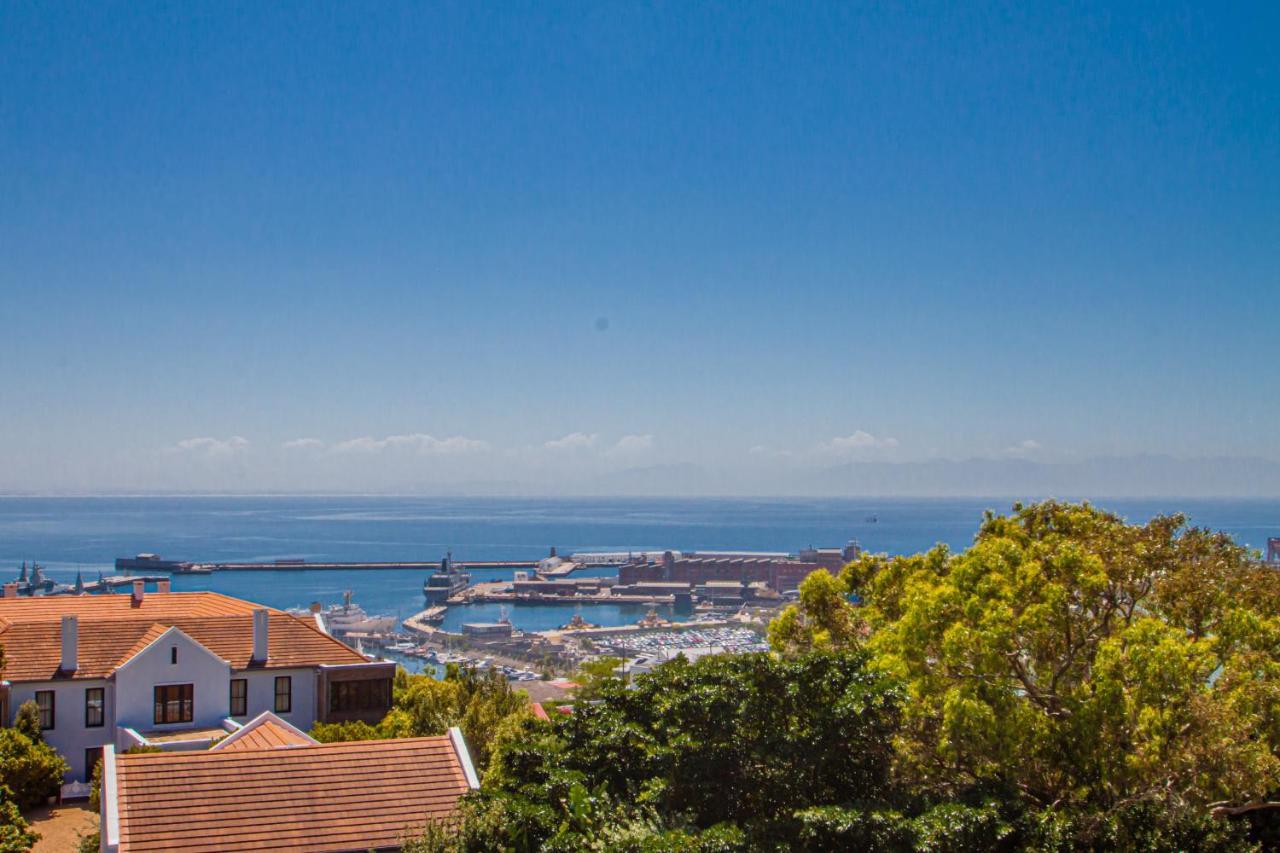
(262, 694)
(69, 735)
(136, 680)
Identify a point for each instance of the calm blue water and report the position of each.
(69, 533)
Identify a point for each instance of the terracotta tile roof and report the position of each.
(156, 605)
(332, 797)
(108, 638)
(265, 731)
(155, 632)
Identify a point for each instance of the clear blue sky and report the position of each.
(730, 234)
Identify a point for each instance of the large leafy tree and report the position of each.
(724, 753)
(1074, 661)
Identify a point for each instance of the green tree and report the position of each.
(821, 620)
(699, 754)
(351, 730)
(31, 770)
(592, 675)
(1079, 662)
(27, 720)
(15, 833)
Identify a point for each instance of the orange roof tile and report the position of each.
(266, 731)
(332, 797)
(156, 605)
(109, 636)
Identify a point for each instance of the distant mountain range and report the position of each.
(1112, 476)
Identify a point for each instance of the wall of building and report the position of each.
(780, 574)
(136, 680)
(69, 735)
(262, 695)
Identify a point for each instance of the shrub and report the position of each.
(30, 769)
(15, 835)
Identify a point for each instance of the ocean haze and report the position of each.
(1113, 476)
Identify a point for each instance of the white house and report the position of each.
(175, 670)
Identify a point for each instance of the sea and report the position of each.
(67, 535)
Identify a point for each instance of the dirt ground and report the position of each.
(62, 827)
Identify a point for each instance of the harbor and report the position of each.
(466, 576)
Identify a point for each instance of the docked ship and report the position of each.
(445, 582)
(347, 618)
(151, 563)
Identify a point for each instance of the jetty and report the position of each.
(118, 581)
(305, 565)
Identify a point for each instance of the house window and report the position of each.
(370, 695)
(93, 707)
(173, 654)
(239, 697)
(284, 694)
(91, 759)
(44, 699)
(174, 703)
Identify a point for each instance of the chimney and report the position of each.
(10, 590)
(162, 585)
(260, 635)
(139, 590)
(70, 644)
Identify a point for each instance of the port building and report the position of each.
(781, 572)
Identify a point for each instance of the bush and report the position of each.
(27, 720)
(30, 769)
(15, 835)
(338, 732)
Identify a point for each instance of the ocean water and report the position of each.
(70, 534)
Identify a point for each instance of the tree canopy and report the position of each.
(1071, 661)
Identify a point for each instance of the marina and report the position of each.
(564, 606)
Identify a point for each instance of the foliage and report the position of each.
(822, 619)
(27, 720)
(713, 755)
(1075, 663)
(15, 833)
(422, 706)
(592, 676)
(90, 843)
(31, 770)
(353, 730)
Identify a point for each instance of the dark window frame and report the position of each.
(90, 708)
(173, 654)
(240, 708)
(359, 695)
(287, 705)
(174, 703)
(51, 711)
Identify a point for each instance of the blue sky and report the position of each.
(734, 235)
